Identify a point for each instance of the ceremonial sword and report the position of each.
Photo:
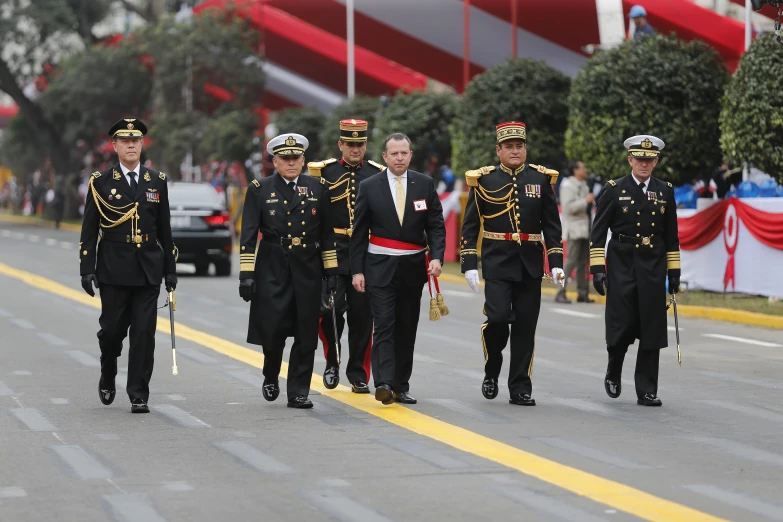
(172, 307)
(673, 302)
(334, 324)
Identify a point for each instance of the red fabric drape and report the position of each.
(702, 228)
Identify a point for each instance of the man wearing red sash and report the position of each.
(403, 211)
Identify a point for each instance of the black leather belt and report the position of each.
(638, 240)
(116, 237)
(291, 241)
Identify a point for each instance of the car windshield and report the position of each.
(194, 194)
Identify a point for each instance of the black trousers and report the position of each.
(357, 306)
(646, 374)
(133, 307)
(395, 308)
(516, 303)
(300, 361)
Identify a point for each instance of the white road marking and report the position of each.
(574, 313)
(33, 238)
(5, 233)
(12, 492)
(742, 340)
(458, 293)
(24, 324)
(22, 372)
(59, 401)
(50, 242)
(66, 245)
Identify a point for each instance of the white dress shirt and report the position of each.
(125, 171)
(393, 184)
(375, 249)
(646, 183)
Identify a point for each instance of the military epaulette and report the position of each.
(314, 167)
(612, 182)
(96, 174)
(162, 176)
(472, 176)
(377, 165)
(553, 174)
(256, 183)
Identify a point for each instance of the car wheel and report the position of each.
(223, 268)
(202, 268)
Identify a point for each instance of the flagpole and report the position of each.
(351, 57)
(748, 26)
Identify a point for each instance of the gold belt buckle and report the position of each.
(137, 239)
(515, 236)
(645, 241)
(295, 241)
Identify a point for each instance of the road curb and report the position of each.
(728, 315)
(35, 220)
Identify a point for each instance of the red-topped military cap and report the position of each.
(511, 130)
(353, 130)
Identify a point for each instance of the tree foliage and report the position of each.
(517, 89)
(655, 85)
(425, 118)
(360, 108)
(752, 116)
(307, 121)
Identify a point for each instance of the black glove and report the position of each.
(674, 284)
(247, 288)
(88, 280)
(171, 282)
(599, 283)
(331, 283)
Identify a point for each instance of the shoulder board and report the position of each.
(376, 165)
(256, 183)
(96, 174)
(162, 176)
(472, 176)
(670, 185)
(612, 182)
(314, 167)
(553, 174)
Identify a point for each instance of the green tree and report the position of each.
(425, 118)
(307, 121)
(517, 89)
(657, 85)
(360, 108)
(751, 119)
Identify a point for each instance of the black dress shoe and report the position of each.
(489, 388)
(360, 387)
(404, 398)
(106, 390)
(613, 388)
(584, 299)
(139, 406)
(383, 393)
(271, 390)
(332, 377)
(300, 402)
(649, 399)
(522, 399)
(561, 298)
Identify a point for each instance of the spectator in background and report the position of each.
(448, 178)
(724, 179)
(576, 200)
(642, 28)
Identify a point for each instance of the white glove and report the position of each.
(558, 277)
(472, 277)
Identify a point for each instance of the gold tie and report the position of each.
(400, 199)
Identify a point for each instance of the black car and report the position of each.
(201, 227)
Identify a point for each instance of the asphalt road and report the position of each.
(213, 449)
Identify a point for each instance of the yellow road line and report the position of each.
(712, 313)
(35, 220)
(613, 494)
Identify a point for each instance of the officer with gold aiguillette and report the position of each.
(343, 178)
(127, 211)
(641, 213)
(281, 273)
(515, 203)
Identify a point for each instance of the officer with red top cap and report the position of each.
(515, 203)
(343, 178)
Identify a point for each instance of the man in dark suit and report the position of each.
(343, 179)
(403, 211)
(281, 273)
(127, 210)
(515, 203)
(644, 248)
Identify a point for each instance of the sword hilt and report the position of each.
(172, 301)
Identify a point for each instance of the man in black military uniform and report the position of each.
(402, 211)
(281, 273)
(343, 178)
(127, 211)
(515, 202)
(641, 213)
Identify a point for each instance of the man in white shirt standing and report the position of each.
(575, 200)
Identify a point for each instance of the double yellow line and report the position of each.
(601, 490)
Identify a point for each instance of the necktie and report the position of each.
(133, 183)
(400, 199)
(641, 186)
